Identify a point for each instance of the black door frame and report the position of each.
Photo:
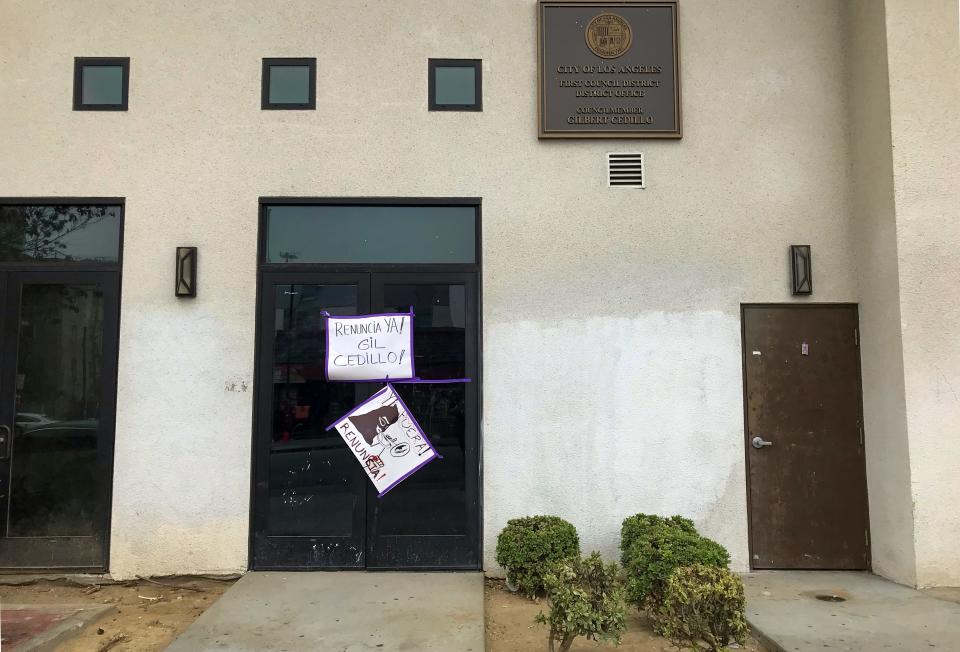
(301, 271)
(110, 275)
(746, 410)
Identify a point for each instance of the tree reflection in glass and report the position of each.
(48, 233)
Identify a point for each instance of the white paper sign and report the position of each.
(386, 439)
(370, 347)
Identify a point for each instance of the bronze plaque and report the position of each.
(608, 69)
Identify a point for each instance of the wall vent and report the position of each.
(625, 170)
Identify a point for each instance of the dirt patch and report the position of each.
(510, 627)
(146, 616)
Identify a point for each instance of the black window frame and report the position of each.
(433, 64)
(79, 63)
(266, 105)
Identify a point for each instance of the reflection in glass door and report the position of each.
(57, 392)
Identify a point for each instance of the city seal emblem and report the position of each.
(609, 36)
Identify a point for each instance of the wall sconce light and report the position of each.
(802, 268)
(186, 272)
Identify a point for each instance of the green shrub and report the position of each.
(701, 604)
(528, 548)
(586, 598)
(640, 525)
(656, 547)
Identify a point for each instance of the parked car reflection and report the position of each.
(30, 420)
(54, 436)
(54, 481)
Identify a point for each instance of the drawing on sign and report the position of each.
(385, 439)
(370, 347)
(376, 422)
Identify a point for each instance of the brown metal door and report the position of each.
(806, 472)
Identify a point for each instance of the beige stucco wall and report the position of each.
(924, 69)
(609, 316)
(904, 90)
(881, 348)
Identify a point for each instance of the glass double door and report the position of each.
(313, 505)
(58, 355)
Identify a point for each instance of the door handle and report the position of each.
(760, 442)
(5, 434)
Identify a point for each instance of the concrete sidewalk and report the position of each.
(343, 612)
(798, 611)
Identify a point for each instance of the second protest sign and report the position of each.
(385, 439)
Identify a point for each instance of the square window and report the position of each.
(455, 85)
(101, 84)
(289, 84)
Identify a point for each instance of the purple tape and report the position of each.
(376, 380)
(326, 348)
(428, 381)
(413, 358)
(326, 352)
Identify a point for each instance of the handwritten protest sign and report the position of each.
(386, 439)
(370, 347)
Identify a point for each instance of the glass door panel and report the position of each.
(311, 494)
(431, 519)
(59, 384)
(54, 480)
